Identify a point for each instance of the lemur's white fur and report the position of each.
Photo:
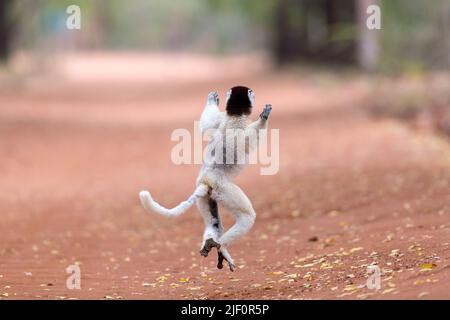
(215, 181)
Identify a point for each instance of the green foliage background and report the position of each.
(415, 34)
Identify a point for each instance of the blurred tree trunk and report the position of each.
(6, 29)
(444, 35)
(103, 24)
(281, 43)
(316, 30)
(368, 46)
(291, 30)
(331, 17)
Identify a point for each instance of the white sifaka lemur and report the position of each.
(215, 180)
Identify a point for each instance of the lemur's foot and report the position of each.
(266, 112)
(213, 98)
(209, 244)
(220, 259)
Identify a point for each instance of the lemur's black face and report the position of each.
(240, 101)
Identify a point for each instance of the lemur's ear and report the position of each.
(251, 97)
(228, 96)
(239, 101)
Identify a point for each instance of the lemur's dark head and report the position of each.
(240, 101)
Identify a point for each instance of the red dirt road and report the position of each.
(351, 192)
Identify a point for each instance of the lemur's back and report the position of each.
(225, 152)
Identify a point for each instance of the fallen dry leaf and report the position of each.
(427, 266)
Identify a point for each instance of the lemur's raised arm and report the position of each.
(211, 115)
(261, 123)
(253, 130)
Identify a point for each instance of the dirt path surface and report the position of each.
(351, 192)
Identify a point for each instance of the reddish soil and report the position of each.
(352, 191)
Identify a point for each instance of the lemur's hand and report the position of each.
(213, 98)
(266, 112)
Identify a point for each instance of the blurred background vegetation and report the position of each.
(415, 34)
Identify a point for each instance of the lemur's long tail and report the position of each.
(150, 205)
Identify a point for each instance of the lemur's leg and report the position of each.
(213, 230)
(234, 199)
(222, 252)
(210, 214)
